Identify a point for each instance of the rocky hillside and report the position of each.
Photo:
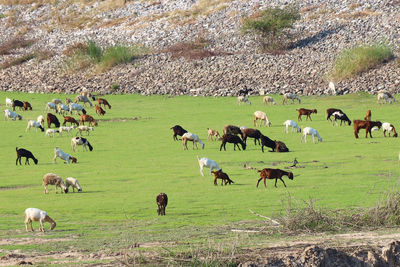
(326, 28)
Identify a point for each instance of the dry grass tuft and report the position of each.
(16, 42)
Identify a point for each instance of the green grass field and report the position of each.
(135, 159)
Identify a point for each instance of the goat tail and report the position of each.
(16, 149)
(259, 170)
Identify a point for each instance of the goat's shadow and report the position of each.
(316, 37)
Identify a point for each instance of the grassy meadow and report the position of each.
(135, 158)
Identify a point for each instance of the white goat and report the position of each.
(191, 137)
(84, 99)
(243, 99)
(62, 109)
(50, 106)
(8, 102)
(77, 108)
(34, 214)
(262, 116)
(70, 181)
(32, 123)
(51, 132)
(80, 141)
(66, 129)
(312, 132)
(388, 127)
(58, 153)
(40, 119)
(205, 162)
(84, 128)
(292, 124)
(11, 114)
(268, 99)
(292, 96)
(385, 96)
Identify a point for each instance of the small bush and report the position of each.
(115, 86)
(352, 62)
(118, 54)
(270, 26)
(94, 51)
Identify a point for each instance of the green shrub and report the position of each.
(356, 60)
(94, 51)
(118, 54)
(270, 26)
(115, 86)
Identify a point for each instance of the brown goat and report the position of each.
(104, 102)
(367, 125)
(252, 133)
(368, 115)
(27, 106)
(52, 119)
(88, 118)
(230, 138)
(70, 120)
(307, 112)
(213, 133)
(223, 176)
(231, 129)
(162, 202)
(273, 174)
(99, 110)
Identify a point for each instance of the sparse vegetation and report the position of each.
(352, 62)
(14, 43)
(115, 86)
(270, 26)
(18, 60)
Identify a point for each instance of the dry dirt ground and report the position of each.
(353, 249)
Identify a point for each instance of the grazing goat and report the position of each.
(385, 96)
(252, 133)
(388, 127)
(191, 137)
(281, 147)
(85, 129)
(342, 117)
(213, 133)
(62, 109)
(32, 123)
(80, 141)
(178, 130)
(231, 129)
(58, 153)
(52, 119)
(267, 99)
(292, 96)
(23, 153)
(273, 174)
(99, 110)
(40, 119)
(209, 163)
(243, 99)
(368, 115)
(17, 103)
(71, 120)
(312, 132)
(54, 179)
(245, 91)
(27, 106)
(8, 102)
(56, 101)
(367, 125)
(70, 181)
(330, 111)
(67, 129)
(265, 141)
(51, 106)
(293, 124)
(77, 108)
(162, 202)
(84, 99)
(262, 116)
(68, 101)
(223, 176)
(88, 118)
(307, 112)
(104, 102)
(230, 138)
(34, 214)
(51, 132)
(11, 114)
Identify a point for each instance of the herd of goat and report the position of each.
(236, 135)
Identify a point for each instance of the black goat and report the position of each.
(253, 133)
(17, 103)
(178, 130)
(230, 138)
(162, 202)
(265, 141)
(52, 119)
(342, 117)
(26, 154)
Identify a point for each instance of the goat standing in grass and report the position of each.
(273, 174)
(191, 137)
(80, 141)
(292, 96)
(213, 133)
(234, 139)
(262, 116)
(162, 202)
(293, 124)
(23, 153)
(367, 125)
(178, 130)
(243, 99)
(388, 127)
(34, 214)
(330, 111)
(268, 99)
(307, 112)
(223, 176)
(70, 181)
(209, 163)
(312, 132)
